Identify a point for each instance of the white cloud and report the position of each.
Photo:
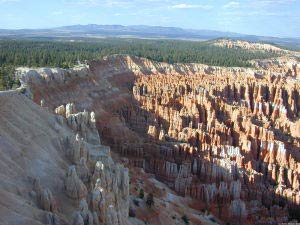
(269, 2)
(188, 6)
(57, 13)
(125, 4)
(232, 4)
(127, 14)
(87, 2)
(8, 1)
(255, 3)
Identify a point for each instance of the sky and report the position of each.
(279, 18)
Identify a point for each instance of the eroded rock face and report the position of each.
(108, 193)
(226, 136)
(233, 129)
(52, 219)
(75, 188)
(41, 186)
(254, 46)
(238, 210)
(83, 170)
(83, 215)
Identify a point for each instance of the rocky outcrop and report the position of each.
(254, 46)
(238, 210)
(82, 170)
(75, 188)
(84, 216)
(52, 219)
(45, 197)
(108, 197)
(225, 136)
(36, 153)
(27, 75)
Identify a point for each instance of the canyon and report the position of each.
(223, 142)
(253, 46)
(54, 172)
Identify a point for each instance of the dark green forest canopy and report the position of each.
(36, 53)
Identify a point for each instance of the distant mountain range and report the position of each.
(139, 31)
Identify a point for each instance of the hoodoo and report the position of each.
(226, 137)
(48, 168)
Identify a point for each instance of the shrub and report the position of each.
(150, 200)
(141, 194)
(185, 219)
(136, 202)
(131, 212)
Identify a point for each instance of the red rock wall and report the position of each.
(226, 136)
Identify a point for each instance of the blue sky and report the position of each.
(260, 17)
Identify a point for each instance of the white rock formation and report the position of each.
(74, 187)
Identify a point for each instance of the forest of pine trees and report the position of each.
(35, 53)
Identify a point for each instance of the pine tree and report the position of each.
(150, 200)
(141, 194)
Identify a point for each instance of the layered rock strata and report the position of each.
(226, 136)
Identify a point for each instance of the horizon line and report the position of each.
(223, 31)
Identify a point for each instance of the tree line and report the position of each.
(64, 54)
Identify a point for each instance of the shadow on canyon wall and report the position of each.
(214, 186)
(190, 167)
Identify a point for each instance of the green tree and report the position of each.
(141, 194)
(150, 200)
(14, 53)
(185, 219)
